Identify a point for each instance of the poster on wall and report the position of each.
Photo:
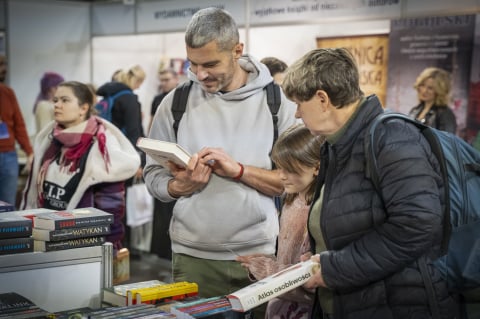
(473, 112)
(371, 54)
(417, 43)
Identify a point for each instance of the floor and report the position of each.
(145, 266)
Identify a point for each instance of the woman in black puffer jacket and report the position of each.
(370, 245)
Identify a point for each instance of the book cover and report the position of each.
(118, 295)
(272, 286)
(14, 305)
(28, 213)
(182, 308)
(12, 301)
(167, 305)
(6, 207)
(163, 152)
(208, 309)
(15, 226)
(16, 245)
(40, 245)
(74, 218)
(108, 311)
(69, 233)
(127, 312)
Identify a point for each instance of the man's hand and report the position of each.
(220, 162)
(189, 179)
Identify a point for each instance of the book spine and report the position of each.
(122, 289)
(6, 207)
(117, 311)
(165, 291)
(15, 228)
(212, 311)
(80, 222)
(206, 306)
(16, 245)
(71, 233)
(74, 243)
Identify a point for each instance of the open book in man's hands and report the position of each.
(163, 152)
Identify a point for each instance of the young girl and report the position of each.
(297, 157)
(81, 160)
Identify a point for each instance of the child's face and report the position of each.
(298, 182)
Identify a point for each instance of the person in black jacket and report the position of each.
(126, 110)
(127, 116)
(168, 81)
(370, 245)
(433, 89)
(162, 212)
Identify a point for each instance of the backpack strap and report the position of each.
(180, 98)
(179, 104)
(119, 93)
(274, 99)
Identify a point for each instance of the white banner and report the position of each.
(287, 11)
(174, 15)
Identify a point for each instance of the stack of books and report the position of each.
(133, 311)
(16, 306)
(6, 207)
(59, 230)
(148, 292)
(15, 232)
(214, 307)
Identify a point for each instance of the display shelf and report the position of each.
(59, 280)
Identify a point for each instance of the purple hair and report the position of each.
(49, 80)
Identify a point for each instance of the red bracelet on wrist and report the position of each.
(240, 174)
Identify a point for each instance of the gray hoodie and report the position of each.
(226, 216)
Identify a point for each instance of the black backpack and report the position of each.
(460, 168)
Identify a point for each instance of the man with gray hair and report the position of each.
(225, 195)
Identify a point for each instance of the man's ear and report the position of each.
(237, 50)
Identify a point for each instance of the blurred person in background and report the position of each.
(433, 87)
(168, 81)
(12, 130)
(43, 106)
(127, 116)
(276, 67)
(162, 212)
